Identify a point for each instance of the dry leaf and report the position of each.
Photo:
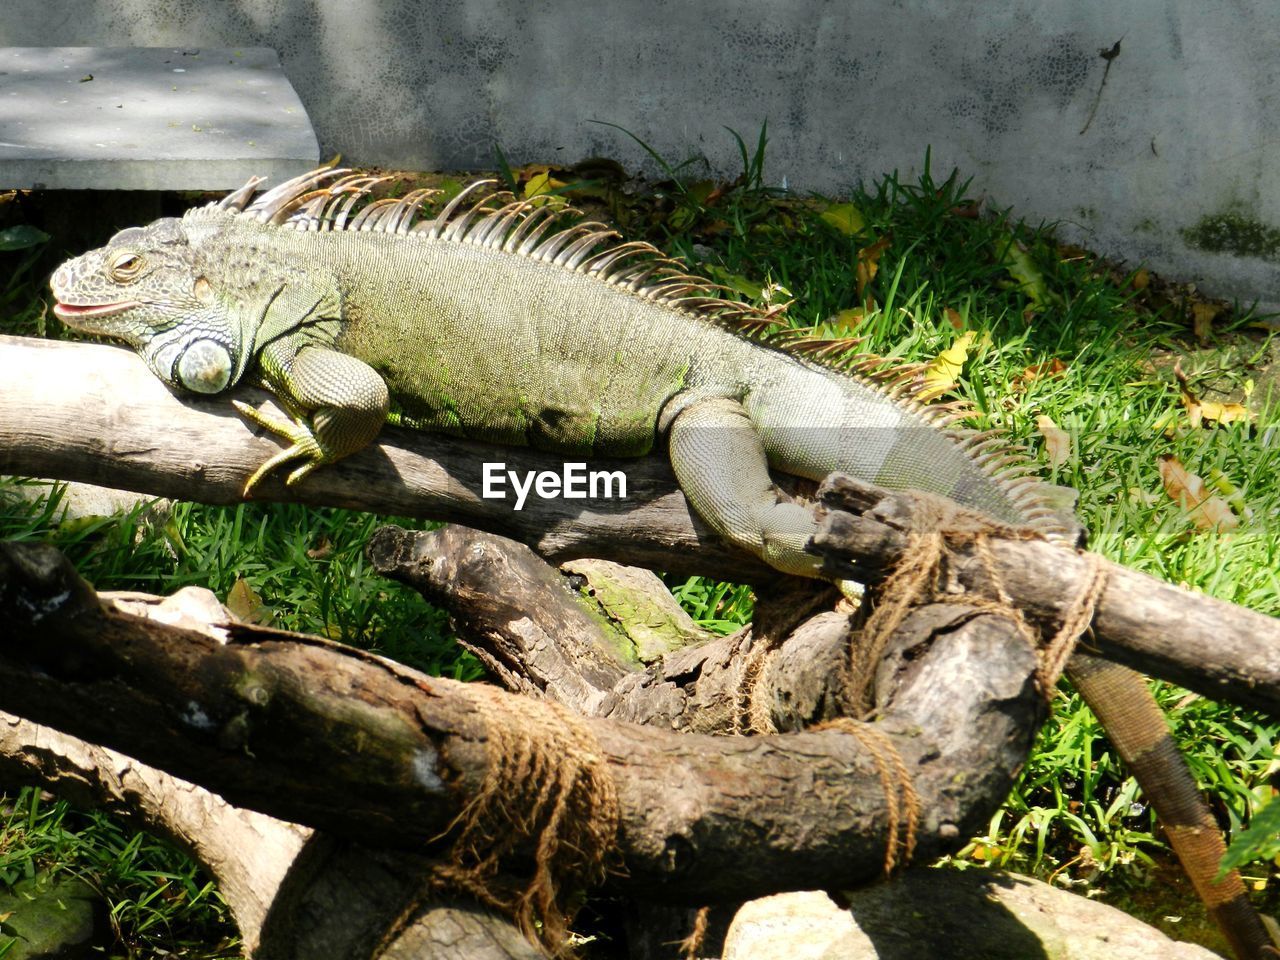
(1141, 279)
(1224, 412)
(1207, 511)
(869, 261)
(1202, 316)
(940, 376)
(1057, 442)
(845, 217)
(247, 605)
(1199, 410)
(1050, 368)
(321, 550)
(967, 211)
(953, 317)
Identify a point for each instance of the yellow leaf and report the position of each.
(985, 851)
(539, 189)
(1223, 412)
(1202, 317)
(845, 217)
(1141, 279)
(1200, 410)
(1208, 512)
(869, 261)
(247, 605)
(940, 376)
(848, 319)
(1057, 442)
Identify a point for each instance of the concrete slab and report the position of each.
(148, 118)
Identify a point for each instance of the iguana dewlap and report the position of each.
(495, 321)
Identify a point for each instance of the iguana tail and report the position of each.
(1123, 703)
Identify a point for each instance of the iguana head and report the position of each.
(148, 287)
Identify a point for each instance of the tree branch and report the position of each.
(1221, 650)
(113, 423)
(300, 728)
(89, 431)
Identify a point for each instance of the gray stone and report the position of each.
(48, 919)
(947, 915)
(148, 118)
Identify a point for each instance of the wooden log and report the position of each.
(1218, 649)
(315, 733)
(294, 895)
(111, 422)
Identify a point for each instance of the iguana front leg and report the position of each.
(721, 465)
(338, 405)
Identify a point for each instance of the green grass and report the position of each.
(1074, 817)
(157, 898)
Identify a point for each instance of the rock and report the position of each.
(48, 919)
(947, 915)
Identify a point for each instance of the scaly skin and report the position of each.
(501, 326)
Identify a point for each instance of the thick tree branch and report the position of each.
(88, 430)
(520, 618)
(301, 729)
(111, 422)
(1221, 650)
(294, 895)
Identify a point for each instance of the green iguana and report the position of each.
(496, 321)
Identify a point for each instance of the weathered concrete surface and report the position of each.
(1169, 162)
(147, 118)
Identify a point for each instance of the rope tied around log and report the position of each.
(902, 803)
(940, 530)
(546, 795)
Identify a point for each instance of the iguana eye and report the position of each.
(126, 266)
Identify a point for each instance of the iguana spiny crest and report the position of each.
(319, 264)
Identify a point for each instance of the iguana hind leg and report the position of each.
(721, 465)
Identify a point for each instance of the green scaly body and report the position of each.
(496, 322)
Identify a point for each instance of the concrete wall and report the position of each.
(1175, 166)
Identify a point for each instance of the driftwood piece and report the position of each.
(294, 894)
(1139, 621)
(88, 430)
(516, 613)
(303, 730)
(503, 597)
(112, 422)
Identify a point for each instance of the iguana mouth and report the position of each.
(76, 310)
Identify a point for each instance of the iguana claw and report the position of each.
(303, 445)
